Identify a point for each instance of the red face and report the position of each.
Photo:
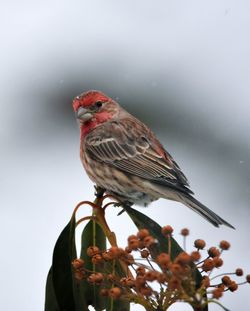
(89, 99)
(93, 108)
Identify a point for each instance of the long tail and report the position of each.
(205, 212)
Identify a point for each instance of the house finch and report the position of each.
(124, 158)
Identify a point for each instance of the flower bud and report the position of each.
(107, 256)
(148, 241)
(183, 259)
(140, 271)
(129, 259)
(92, 250)
(213, 252)
(142, 234)
(114, 252)
(97, 259)
(218, 262)
(115, 292)
(224, 245)
(95, 278)
(208, 265)
(226, 280)
(176, 269)
(195, 256)
(128, 249)
(78, 263)
(239, 272)
(145, 253)
(217, 293)
(133, 244)
(200, 244)
(185, 232)
(151, 276)
(233, 286)
(163, 260)
(127, 282)
(248, 278)
(132, 237)
(167, 230)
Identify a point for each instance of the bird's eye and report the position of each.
(98, 104)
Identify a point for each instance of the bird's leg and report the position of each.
(99, 192)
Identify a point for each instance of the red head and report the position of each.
(93, 108)
(87, 99)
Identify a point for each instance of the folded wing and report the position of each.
(132, 147)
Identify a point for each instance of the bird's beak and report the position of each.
(83, 114)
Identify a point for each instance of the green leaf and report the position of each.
(50, 298)
(62, 291)
(93, 235)
(144, 222)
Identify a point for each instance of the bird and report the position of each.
(122, 156)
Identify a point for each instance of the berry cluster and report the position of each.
(156, 281)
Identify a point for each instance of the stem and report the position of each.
(111, 304)
(99, 214)
(198, 263)
(108, 204)
(150, 264)
(83, 219)
(138, 299)
(112, 299)
(94, 244)
(80, 204)
(94, 232)
(242, 283)
(169, 245)
(218, 303)
(222, 274)
(153, 270)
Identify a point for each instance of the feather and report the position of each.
(127, 146)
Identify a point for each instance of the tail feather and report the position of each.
(205, 212)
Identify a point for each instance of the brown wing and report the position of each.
(132, 147)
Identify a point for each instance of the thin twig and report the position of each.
(83, 219)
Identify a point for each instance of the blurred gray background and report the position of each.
(182, 67)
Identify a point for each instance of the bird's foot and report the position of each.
(99, 192)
